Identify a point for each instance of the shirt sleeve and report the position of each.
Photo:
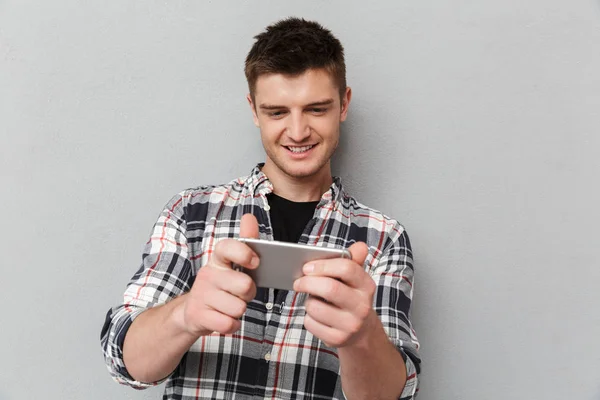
(165, 273)
(394, 275)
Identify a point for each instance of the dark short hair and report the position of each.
(292, 46)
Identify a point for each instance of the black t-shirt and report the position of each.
(289, 218)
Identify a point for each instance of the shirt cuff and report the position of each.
(412, 381)
(114, 352)
(411, 387)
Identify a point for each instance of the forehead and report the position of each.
(310, 86)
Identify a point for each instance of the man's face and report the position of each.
(299, 119)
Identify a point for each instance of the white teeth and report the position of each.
(300, 149)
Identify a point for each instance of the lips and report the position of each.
(299, 149)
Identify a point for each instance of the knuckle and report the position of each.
(339, 338)
(240, 309)
(299, 284)
(347, 269)
(252, 293)
(246, 285)
(332, 287)
(311, 306)
(363, 310)
(234, 313)
(371, 286)
(206, 277)
(247, 256)
(220, 246)
(354, 326)
(228, 325)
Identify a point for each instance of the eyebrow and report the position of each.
(315, 104)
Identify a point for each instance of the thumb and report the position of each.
(359, 251)
(249, 227)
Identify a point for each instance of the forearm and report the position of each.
(156, 341)
(372, 368)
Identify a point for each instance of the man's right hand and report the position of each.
(219, 295)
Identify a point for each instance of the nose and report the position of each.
(298, 128)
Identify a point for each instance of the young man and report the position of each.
(345, 330)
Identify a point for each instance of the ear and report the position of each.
(345, 104)
(253, 109)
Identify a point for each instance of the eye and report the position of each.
(318, 110)
(276, 113)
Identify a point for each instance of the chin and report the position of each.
(301, 175)
(303, 171)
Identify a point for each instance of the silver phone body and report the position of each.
(281, 262)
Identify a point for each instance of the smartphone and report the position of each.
(281, 262)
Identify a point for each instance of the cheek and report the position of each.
(270, 129)
(327, 127)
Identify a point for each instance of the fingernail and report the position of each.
(308, 268)
(255, 261)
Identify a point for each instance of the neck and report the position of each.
(308, 188)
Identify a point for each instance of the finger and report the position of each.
(329, 315)
(229, 251)
(240, 285)
(237, 283)
(359, 251)
(218, 322)
(346, 270)
(332, 290)
(330, 336)
(226, 303)
(249, 227)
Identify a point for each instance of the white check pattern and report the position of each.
(273, 355)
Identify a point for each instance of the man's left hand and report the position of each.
(339, 310)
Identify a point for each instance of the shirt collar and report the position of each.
(258, 182)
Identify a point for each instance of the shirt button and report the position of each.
(267, 207)
(269, 306)
(268, 356)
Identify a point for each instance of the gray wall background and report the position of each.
(475, 123)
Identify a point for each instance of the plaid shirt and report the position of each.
(272, 355)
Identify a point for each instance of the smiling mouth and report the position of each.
(299, 149)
